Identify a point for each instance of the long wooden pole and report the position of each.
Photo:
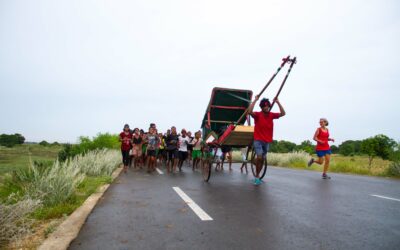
(284, 61)
(293, 61)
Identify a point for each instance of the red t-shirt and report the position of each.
(125, 145)
(264, 125)
(323, 136)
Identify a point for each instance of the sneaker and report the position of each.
(310, 162)
(325, 176)
(257, 181)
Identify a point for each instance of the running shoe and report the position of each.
(257, 181)
(310, 162)
(325, 176)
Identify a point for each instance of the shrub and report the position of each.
(101, 141)
(56, 184)
(394, 169)
(98, 162)
(293, 159)
(14, 221)
(44, 143)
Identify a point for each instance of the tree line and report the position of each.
(376, 146)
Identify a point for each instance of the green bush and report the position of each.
(11, 140)
(394, 169)
(44, 143)
(85, 144)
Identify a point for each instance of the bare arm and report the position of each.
(282, 111)
(316, 136)
(251, 107)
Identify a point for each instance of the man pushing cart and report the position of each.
(231, 109)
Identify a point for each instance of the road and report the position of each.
(293, 209)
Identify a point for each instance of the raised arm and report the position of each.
(251, 107)
(281, 109)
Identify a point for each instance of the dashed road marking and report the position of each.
(385, 197)
(159, 171)
(196, 209)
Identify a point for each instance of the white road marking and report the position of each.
(385, 197)
(196, 209)
(159, 171)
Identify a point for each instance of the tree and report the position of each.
(282, 146)
(379, 145)
(349, 147)
(306, 146)
(334, 149)
(11, 140)
(44, 143)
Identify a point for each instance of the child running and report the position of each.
(196, 153)
(172, 147)
(322, 149)
(152, 143)
(137, 148)
(243, 151)
(184, 141)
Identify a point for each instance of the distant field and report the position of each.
(20, 156)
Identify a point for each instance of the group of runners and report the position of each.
(140, 148)
(150, 149)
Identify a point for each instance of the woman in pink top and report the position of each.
(322, 149)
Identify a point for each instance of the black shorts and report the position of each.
(183, 155)
(151, 153)
(226, 149)
(161, 152)
(172, 154)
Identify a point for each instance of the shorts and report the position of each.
(196, 154)
(322, 153)
(172, 154)
(161, 152)
(226, 149)
(151, 153)
(183, 155)
(261, 148)
(144, 148)
(208, 155)
(136, 151)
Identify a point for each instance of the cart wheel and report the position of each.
(206, 170)
(253, 165)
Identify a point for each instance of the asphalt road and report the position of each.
(292, 210)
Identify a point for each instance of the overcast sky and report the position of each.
(71, 68)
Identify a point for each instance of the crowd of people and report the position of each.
(172, 149)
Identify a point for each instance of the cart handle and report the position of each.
(284, 61)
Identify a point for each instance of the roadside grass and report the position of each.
(339, 164)
(59, 187)
(88, 186)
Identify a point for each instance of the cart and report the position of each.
(224, 123)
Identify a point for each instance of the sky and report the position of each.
(72, 68)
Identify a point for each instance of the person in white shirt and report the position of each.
(183, 142)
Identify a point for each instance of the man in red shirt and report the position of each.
(263, 130)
